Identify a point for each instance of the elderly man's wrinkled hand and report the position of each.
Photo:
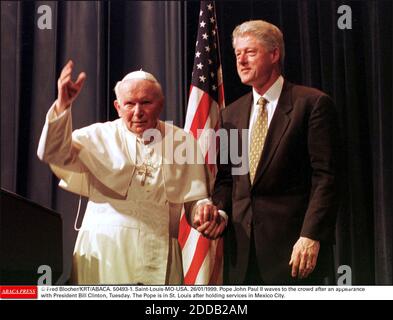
(67, 89)
(304, 257)
(208, 221)
(205, 213)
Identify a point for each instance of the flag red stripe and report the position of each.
(201, 251)
(185, 231)
(203, 113)
(221, 95)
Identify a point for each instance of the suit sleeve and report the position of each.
(319, 222)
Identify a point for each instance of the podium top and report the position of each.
(6, 194)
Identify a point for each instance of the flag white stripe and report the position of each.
(193, 102)
(189, 249)
(205, 269)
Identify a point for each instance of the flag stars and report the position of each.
(204, 73)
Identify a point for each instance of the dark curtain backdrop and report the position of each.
(109, 39)
(104, 39)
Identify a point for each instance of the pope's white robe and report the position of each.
(129, 231)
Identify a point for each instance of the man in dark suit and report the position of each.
(282, 212)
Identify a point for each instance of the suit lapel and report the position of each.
(244, 111)
(277, 128)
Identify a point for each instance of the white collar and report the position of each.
(272, 94)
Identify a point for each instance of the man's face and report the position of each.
(139, 105)
(254, 63)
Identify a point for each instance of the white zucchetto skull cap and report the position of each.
(139, 75)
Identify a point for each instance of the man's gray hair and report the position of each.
(266, 33)
(142, 75)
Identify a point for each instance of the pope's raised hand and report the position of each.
(67, 89)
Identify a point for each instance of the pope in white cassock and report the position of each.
(135, 186)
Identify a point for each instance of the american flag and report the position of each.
(203, 258)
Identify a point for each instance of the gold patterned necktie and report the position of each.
(258, 136)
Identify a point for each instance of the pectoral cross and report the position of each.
(144, 170)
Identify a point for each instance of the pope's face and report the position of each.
(254, 63)
(139, 104)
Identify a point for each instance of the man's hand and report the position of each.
(304, 257)
(208, 221)
(67, 89)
